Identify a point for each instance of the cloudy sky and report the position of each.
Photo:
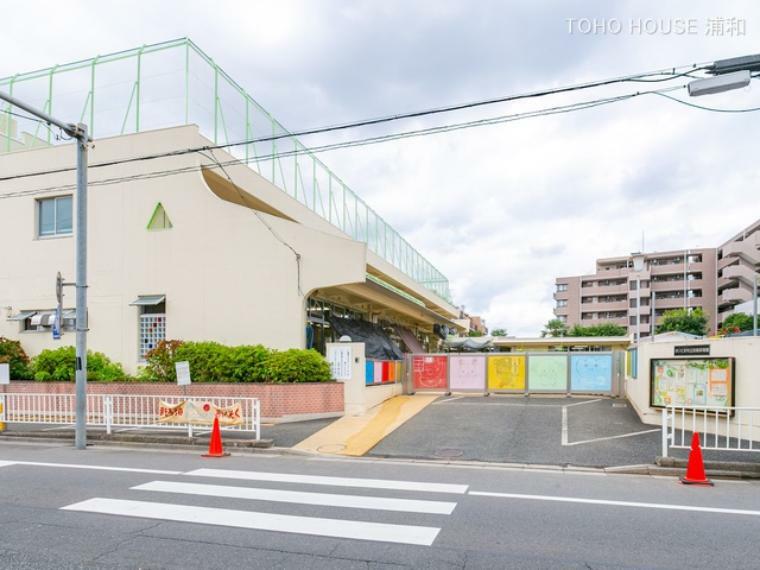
(501, 210)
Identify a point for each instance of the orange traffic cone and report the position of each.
(695, 470)
(215, 443)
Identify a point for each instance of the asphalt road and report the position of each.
(116, 508)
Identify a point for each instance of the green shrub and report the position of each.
(59, 365)
(297, 365)
(159, 362)
(12, 353)
(249, 363)
(209, 361)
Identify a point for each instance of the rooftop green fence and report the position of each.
(175, 83)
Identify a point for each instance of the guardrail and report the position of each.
(726, 428)
(120, 411)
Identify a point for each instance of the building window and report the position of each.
(561, 303)
(151, 323)
(54, 216)
(561, 287)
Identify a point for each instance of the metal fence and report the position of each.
(518, 372)
(719, 428)
(118, 411)
(175, 83)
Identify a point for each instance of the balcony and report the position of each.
(735, 295)
(601, 290)
(740, 272)
(644, 310)
(748, 249)
(609, 306)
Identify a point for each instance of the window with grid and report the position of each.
(152, 331)
(54, 216)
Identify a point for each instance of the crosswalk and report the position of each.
(312, 494)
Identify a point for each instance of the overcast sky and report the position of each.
(501, 210)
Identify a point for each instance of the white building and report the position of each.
(210, 245)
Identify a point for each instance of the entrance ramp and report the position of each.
(356, 435)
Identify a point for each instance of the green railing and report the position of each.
(175, 83)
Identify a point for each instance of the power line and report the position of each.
(561, 109)
(668, 75)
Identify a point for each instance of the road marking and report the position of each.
(331, 481)
(564, 425)
(97, 467)
(582, 403)
(618, 503)
(299, 497)
(631, 434)
(335, 528)
(6, 463)
(503, 404)
(447, 400)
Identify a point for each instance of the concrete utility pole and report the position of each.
(79, 133)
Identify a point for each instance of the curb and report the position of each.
(136, 440)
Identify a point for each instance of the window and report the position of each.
(152, 322)
(561, 303)
(54, 216)
(561, 287)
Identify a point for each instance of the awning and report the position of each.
(148, 300)
(22, 315)
(69, 314)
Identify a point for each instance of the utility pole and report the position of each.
(79, 133)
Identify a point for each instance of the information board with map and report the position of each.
(692, 382)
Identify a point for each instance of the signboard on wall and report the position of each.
(692, 350)
(506, 373)
(547, 372)
(591, 372)
(430, 372)
(339, 358)
(5, 373)
(692, 382)
(467, 373)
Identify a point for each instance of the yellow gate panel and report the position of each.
(506, 373)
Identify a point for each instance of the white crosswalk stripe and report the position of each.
(327, 526)
(390, 484)
(304, 498)
(335, 528)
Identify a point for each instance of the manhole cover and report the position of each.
(448, 452)
(619, 405)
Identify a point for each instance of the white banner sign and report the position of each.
(5, 373)
(339, 358)
(183, 373)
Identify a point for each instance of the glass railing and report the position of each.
(175, 83)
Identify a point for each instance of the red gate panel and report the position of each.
(430, 372)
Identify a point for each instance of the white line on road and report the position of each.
(618, 503)
(304, 498)
(96, 467)
(332, 481)
(631, 434)
(582, 403)
(6, 463)
(335, 528)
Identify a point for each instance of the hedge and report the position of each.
(12, 353)
(59, 365)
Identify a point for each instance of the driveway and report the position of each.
(591, 432)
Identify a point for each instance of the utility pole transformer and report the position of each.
(79, 133)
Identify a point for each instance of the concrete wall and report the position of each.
(746, 350)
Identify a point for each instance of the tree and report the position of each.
(554, 327)
(602, 329)
(736, 323)
(692, 321)
(474, 333)
(499, 332)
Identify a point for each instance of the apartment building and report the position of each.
(635, 291)
(738, 265)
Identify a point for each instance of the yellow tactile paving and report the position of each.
(356, 435)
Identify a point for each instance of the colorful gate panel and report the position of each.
(591, 372)
(369, 372)
(430, 372)
(378, 371)
(467, 373)
(506, 373)
(547, 372)
(386, 371)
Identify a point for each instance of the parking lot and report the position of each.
(592, 432)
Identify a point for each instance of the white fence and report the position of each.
(719, 428)
(117, 410)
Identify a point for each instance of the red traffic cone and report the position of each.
(695, 470)
(215, 443)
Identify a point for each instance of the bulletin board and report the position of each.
(692, 382)
(468, 373)
(506, 373)
(430, 372)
